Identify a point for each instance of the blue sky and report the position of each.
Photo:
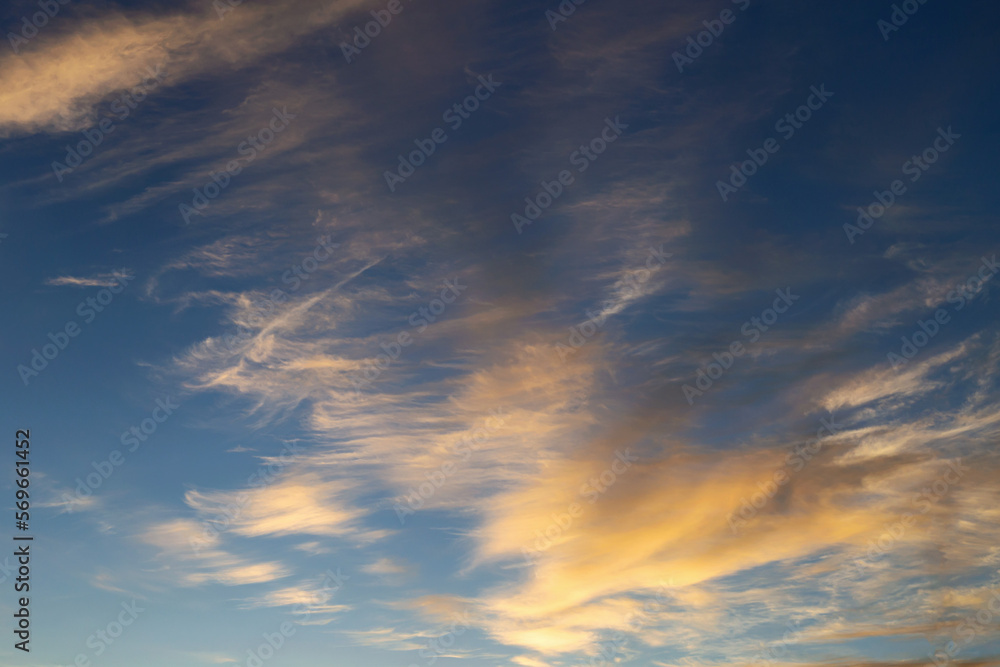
(526, 334)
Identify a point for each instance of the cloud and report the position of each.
(386, 567)
(198, 558)
(57, 85)
(313, 548)
(299, 503)
(565, 416)
(391, 639)
(237, 255)
(310, 602)
(104, 581)
(96, 280)
(210, 657)
(664, 523)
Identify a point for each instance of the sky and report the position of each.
(527, 334)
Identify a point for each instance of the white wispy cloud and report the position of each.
(96, 280)
(198, 558)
